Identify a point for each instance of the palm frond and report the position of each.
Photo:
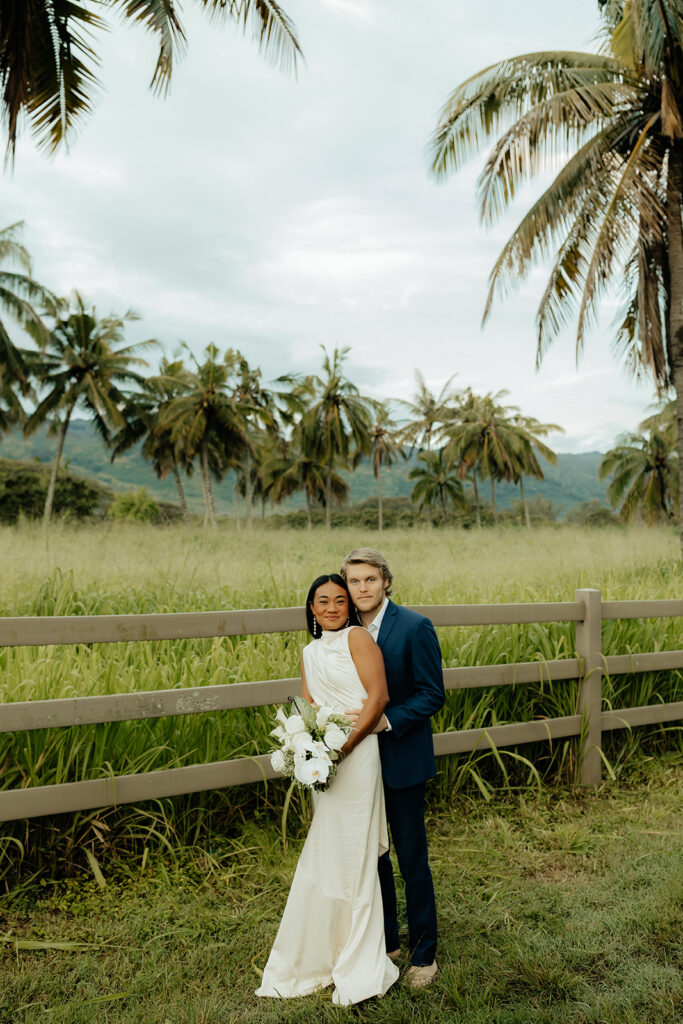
(271, 28)
(489, 101)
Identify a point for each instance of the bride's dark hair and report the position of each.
(331, 577)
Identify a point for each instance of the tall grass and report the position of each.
(121, 569)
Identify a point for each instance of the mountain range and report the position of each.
(572, 480)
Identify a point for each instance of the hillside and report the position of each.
(574, 479)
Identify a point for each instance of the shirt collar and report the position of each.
(376, 623)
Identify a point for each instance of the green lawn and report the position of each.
(558, 908)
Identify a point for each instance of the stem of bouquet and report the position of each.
(285, 811)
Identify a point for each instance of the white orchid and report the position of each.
(281, 717)
(279, 733)
(322, 715)
(312, 771)
(303, 743)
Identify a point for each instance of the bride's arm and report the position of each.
(369, 663)
(304, 687)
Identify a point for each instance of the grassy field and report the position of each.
(117, 569)
(554, 908)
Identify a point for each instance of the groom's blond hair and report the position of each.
(368, 556)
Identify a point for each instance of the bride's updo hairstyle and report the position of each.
(331, 577)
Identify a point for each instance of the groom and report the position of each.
(412, 658)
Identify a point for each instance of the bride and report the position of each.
(332, 929)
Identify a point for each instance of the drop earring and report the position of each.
(317, 629)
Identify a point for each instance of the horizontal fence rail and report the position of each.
(587, 611)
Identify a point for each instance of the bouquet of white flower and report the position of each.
(310, 741)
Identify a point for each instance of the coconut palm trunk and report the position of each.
(309, 517)
(248, 489)
(328, 497)
(379, 497)
(527, 517)
(476, 494)
(209, 515)
(238, 505)
(181, 492)
(675, 259)
(493, 500)
(50, 496)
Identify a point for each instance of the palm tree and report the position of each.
(436, 480)
(48, 63)
(292, 470)
(259, 414)
(663, 419)
(529, 433)
(85, 366)
(427, 410)
(337, 425)
(207, 422)
(613, 212)
(644, 475)
(144, 421)
(386, 447)
(19, 296)
(483, 438)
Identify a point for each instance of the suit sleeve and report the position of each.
(428, 696)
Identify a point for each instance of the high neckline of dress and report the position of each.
(327, 633)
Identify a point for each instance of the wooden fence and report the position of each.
(587, 610)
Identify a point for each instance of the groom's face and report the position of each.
(366, 586)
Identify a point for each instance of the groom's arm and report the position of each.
(428, 695)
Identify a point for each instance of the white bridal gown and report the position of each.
(332, 930)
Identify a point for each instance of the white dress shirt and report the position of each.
(373, 630)
(376, 624)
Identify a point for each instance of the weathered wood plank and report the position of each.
(32, 631)
(657, 660)
(648, 714)
(123, 707)
(34, 802)
(500, 614)
(671, 608)
(465, 678)
(506, 735)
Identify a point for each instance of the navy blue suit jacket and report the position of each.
(412, 659)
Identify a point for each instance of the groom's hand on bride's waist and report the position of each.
(354, 713)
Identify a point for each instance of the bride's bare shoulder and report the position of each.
(359, 639)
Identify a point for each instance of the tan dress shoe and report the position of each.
(419, 977)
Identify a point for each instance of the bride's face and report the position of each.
(330, 606)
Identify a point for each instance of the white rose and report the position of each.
(294, 724)
(321, 717)
(312, 771)
(277, 759)
(335, 738)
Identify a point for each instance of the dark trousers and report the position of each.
(405, 814)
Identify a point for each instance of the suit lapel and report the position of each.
(388, 622)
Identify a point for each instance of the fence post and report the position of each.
(589, 650)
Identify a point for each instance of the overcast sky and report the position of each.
(276, 214)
